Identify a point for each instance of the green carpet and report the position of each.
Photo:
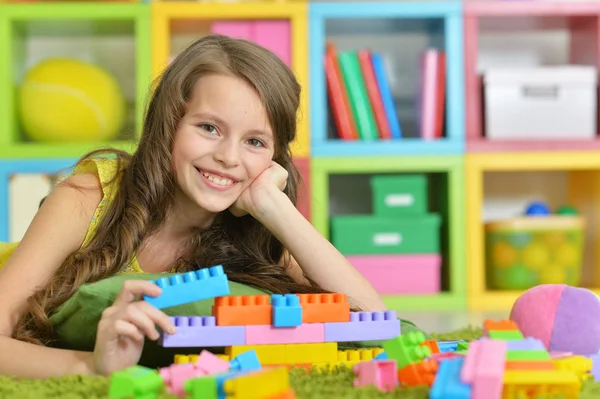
(336, 384)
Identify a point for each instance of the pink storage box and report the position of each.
(400, 274)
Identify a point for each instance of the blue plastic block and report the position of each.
(381, 356)
(447, 384)
(246, 361)
(221, 378)
(448, 346)
(189, 287)
(287, 311)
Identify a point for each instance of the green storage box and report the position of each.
(399, 195)
(369, 234)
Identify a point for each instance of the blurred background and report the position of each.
(448, 148)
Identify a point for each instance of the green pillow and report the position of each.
(76, 321)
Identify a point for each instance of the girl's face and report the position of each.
(223, 142)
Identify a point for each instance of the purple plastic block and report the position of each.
(202, 331)
(527, 344)
(364, 326)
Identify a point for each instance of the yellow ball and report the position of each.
(68, 100)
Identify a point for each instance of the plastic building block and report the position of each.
(438, 357)
(289, 394)
(183, 359)
(202, 388)
(406, 349)
(222, 378)
(137, 381)
(359, 355)
(176, 375)
(432, 345)
(247, 361)
(364, 326)
(287, 311)
(502, 325)
(311, 353)
(267, 335)
(382, 356)
(201, 331)
(448, 346)
(595, 367)
(520, 355)
(529, 343)
(506, 335)
(211, 363)
(462, 346)
(536, 384)
(484, 368)
(183, 288)
(382, 374)
(447, 384)
(530, 365)
(242, 310)
(267, 354)
(324, 308)
(581, 366)
(418, 374)
(258, 385)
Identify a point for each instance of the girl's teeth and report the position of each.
(221, 181)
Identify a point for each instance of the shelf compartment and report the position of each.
(391, 29)
(177, 24)
(528, 33)
(340, 186)
(90, 32)
(12, 167)
(500, 185)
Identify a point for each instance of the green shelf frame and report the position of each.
(17, 16)
(453, 167)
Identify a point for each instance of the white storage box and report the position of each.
(542, 103)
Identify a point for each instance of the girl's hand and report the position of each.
(274, 177)
(123, 326)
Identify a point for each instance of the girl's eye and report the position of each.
(256, 143)
(209, 128)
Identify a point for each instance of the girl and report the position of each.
(211, 182)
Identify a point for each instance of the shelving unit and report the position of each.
(446, 199)
(35, 31)
(385, 24)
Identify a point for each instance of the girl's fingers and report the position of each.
(125, 329)
(138, 317)
(157, 316)
(133, 288)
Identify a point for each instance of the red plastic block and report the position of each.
(323, 308)
(242, 310)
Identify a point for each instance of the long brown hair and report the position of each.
(248, 251)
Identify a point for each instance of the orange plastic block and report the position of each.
(418, 373)
(324, 308)
(502, 325)
(242, 310)
(530, 365)
(432, 345)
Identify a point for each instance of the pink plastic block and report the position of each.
(269, 335)
(364, 326)
(274, 35)
(235, 29)
(381, 373)
(211, 363)
(400, 274)
(484, 368)
(176, 375)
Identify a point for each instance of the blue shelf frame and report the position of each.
(452, 14)
(9, 167)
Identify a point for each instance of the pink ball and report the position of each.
(564, 318)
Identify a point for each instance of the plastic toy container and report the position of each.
(399, 195)
(527, 251)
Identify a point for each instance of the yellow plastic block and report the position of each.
(182, 359)
(311, 353)
(261, 384)
(540, 384)
(267, 354)
(358, 355)
(581, 366)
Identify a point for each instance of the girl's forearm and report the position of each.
(317, 257)
(24, 360)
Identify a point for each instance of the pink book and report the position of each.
(431, 94)
(274, 35)
(235, 29)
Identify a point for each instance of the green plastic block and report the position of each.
(201, 388)
(525, 355)
(506, 335)
(137, 381)
(462, 346)
(406, 349)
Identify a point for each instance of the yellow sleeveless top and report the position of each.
(105, 169)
